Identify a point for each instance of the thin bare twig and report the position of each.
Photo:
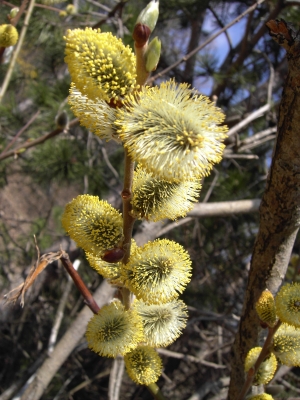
(221, 25)
(83, 384)
(115, 380)
(33, 143)
(60, 311)
(258, 136)
(257, 143)
(86, 294)
(23, 129)
(213, 37)
(211, 187)
(254, 115)
(177, 355)
(241, 156)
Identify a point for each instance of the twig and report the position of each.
(213, 37)
(257, 143)
(254, 115)
(174, 354)
(288, 385)
(19, 383)
(65, 384)
(115, 380)
(89, 162)
(211, 186)
(88, 298)
(117, 8)
(242, 156)
(106, 159)
(258, 136)
(47, 7)
(20, 132)
(35, 142)
(82, 385)
(173, 225)
(222, 208)
(279, 210)
(221, 25)
(60, 311)
(17, 49)
(229, 66)
(22, 8)
(95, 3)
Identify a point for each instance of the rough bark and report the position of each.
(279, 210)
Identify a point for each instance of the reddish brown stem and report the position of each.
(88, 298)
(128, 220)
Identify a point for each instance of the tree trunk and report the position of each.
(279, 210)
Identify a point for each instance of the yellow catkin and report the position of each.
(114, 330)
(8, 35)
(265, 308)
(266, 370)
(143, 365)
(158, 272)
(172, 131)
(100, 65)
(288, 304)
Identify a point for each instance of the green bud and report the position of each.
(70, 9)
(13, 12)
(152, 54)
(149, 15)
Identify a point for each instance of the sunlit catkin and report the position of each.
(155, 199)
(93, 224)
(266, 369)
(163, 323)
(265, 308)
(288, 304)
(114, 330)
(100, 65)
(286, 345)
(158, 272)
(172, 131)
(143, 365)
